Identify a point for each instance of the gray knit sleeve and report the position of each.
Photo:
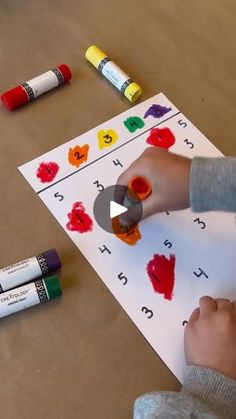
(206, 394)
(212, 388)
(213, 184)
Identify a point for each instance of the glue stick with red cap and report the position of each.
(30, 90)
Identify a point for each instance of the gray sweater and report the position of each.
(205, 394)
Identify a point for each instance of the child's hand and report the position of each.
(210, 336)
(169, 176)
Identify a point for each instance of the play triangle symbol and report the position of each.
(116, 209)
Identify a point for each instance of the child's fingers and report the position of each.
(150, 206)
(223, 304)
(207, 305)
(194, 316)
(137, 168)
(120, 192)
(123, 180)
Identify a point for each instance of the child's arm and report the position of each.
(178, 182)
(213, 184)
(209, 389)
(206, 394)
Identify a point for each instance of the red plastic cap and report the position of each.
(14, 98)
(140, 186)
(65, 71)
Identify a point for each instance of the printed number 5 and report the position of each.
(182, 123)
(123, 278)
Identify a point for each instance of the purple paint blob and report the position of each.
(157, 111)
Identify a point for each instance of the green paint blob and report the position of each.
(133, 122)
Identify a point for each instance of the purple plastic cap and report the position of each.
(52, 260)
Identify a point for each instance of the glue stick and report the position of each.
(35, 87)
(29, 295)
(28, 269)
(113, 73)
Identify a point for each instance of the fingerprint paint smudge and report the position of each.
(47, 172)
(157, 111)
(161, 272)
(161, 137)
(78, 155)
(79, 220)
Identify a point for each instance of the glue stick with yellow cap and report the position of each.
(113, 73)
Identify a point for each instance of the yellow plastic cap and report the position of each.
(95, 55)
(133, 91)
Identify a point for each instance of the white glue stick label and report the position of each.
(22, 298)
(43, 83)
(114, 74)
(19, 273)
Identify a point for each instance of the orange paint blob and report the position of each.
(128, 234)
(78, 155)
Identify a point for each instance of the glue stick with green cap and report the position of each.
(113, 73)
(29, 295)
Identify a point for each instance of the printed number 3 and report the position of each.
(100, 187)
(108, 139)
(149, 313)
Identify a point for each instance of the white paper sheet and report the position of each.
(203, 244)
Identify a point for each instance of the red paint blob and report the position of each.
(161, 272)
(47, 171)
(161, 137)
(78, 219)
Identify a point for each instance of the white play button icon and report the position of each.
(110, 204)
(116, 209)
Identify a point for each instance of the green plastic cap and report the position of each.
(53, 286)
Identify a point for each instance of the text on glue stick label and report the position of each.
(114, 74)
(20, 272)
(43, 83)
(22, 298)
